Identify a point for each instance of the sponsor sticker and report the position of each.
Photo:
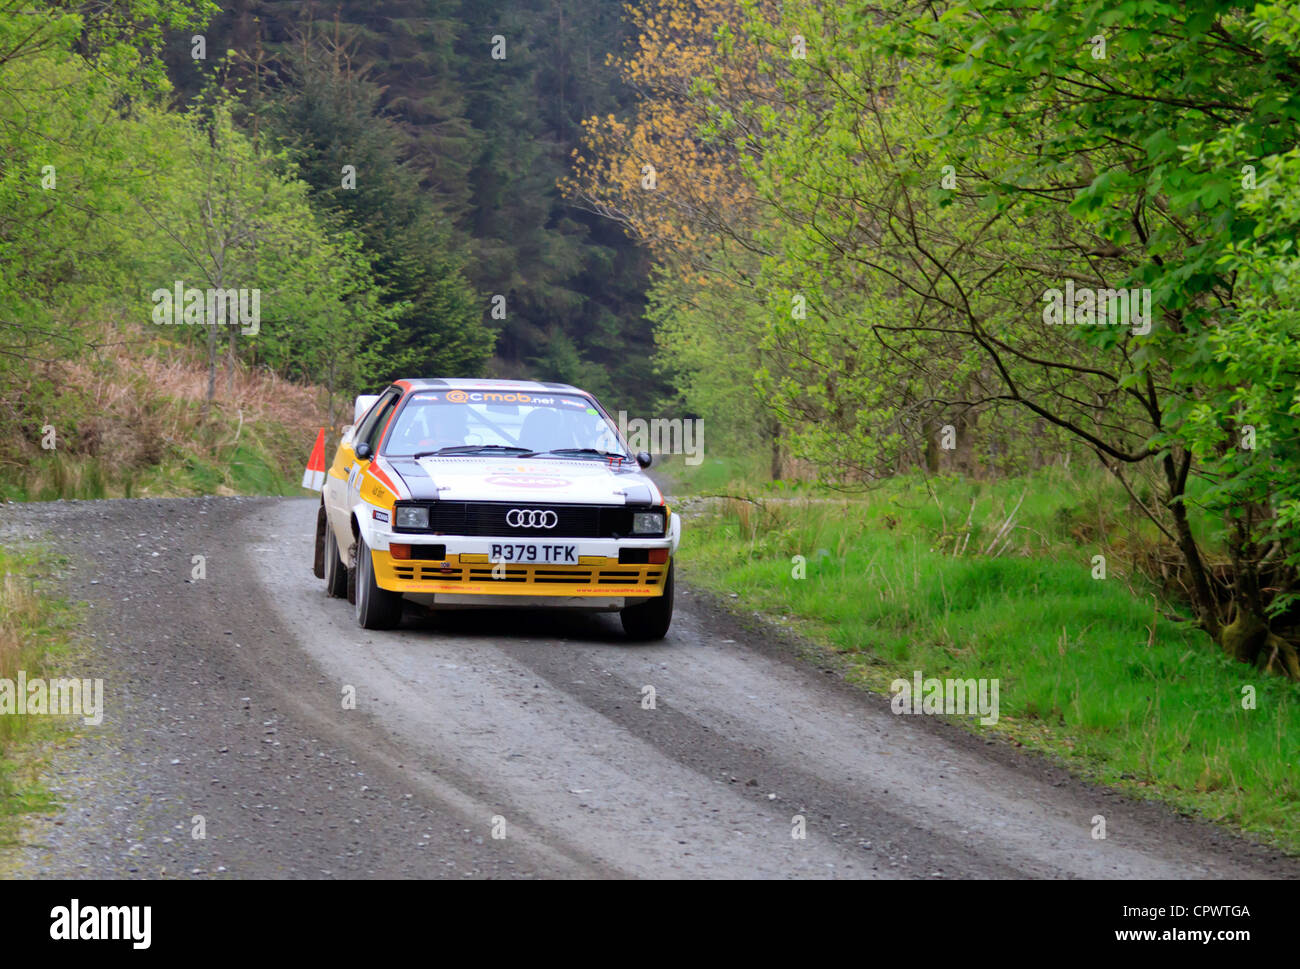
(510, 397)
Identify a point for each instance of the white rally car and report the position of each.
(465, 493)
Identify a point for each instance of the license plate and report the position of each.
(534, 552)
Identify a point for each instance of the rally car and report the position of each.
(491, 493)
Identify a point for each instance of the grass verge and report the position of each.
(258, 463)
(141, 426)
(34, 632)
(1096, 672)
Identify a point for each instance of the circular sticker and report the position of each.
(527, 481)
(457, 396)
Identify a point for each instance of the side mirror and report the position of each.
(363, 452)
(643, 458)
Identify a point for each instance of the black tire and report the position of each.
(336, 573)
(650, 619)
(376, 608)
(318, 557)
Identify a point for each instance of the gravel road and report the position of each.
(225, 711)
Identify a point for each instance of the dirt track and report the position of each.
(223, 700)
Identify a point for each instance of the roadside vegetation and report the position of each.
(115, 199)
(987, 239)
(380, 209)
(968, 579)
(34, 630)
(137, 425)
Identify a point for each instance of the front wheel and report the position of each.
(376, 608)
(650, 619)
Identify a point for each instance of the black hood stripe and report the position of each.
(639, 494)
(416, 479)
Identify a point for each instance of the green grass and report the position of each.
(731, 474)
(712, 474)
(1082, 675)
(34, 635)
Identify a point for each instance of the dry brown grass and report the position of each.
(135, 398)
(152, 389)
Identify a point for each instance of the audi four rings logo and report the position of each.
(531, 518)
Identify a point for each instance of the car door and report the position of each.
(342, 495)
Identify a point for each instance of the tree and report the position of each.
(665, 176)
(1066, 170)
(349, 152)
(486, 140)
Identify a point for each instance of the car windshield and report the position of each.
(509, 423)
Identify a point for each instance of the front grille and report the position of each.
(488, 519)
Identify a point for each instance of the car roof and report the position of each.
(445, 383)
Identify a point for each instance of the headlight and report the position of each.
(648, 523)
(412, 518)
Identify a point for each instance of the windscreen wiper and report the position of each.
(580, 451)
(472, 449)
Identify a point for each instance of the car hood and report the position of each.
(535, 481)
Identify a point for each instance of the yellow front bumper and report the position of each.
(594, 575)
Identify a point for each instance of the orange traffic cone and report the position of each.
(314, 476)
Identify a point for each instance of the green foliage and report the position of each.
(110, 197)
(458, 156)
(330, 117)
(222, 216)
(712, 367)
(928, 181)
(1252, 393)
